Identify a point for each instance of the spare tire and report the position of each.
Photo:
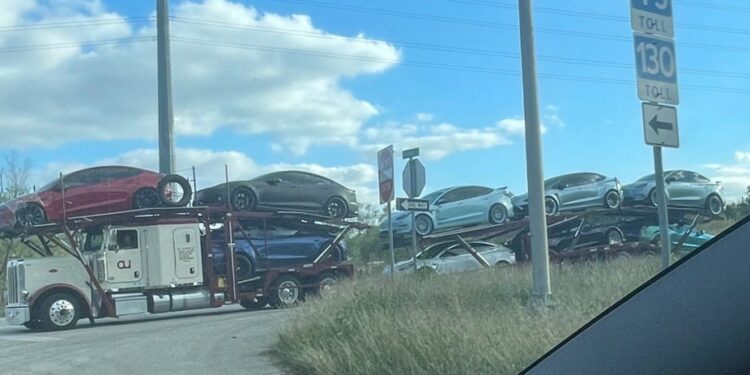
(164, 192)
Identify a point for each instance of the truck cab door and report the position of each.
(123, 257)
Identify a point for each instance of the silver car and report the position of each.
(684, 189)
(450, 257)
(573, 192)
(455, 207)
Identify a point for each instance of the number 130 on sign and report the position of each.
(656, 66)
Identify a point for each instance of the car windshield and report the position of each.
(433, 196)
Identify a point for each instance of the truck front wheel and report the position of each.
(58, 311)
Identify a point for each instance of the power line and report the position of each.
(432, 65)
(70, 24)
(444, 48)
(398, 13)
(38, 47)
(604, 17)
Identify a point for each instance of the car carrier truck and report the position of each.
(154, 261)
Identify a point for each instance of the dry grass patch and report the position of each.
(472, 323)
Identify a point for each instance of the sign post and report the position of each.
(386, 189)
(413, 183)
(656, 71)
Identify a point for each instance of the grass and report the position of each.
(472, 323)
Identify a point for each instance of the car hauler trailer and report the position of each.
(573, 253)
(155, 261)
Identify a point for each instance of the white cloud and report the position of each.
(102, 92)
(741, 156)
(735, 178)
(424, 117)
(435, 141)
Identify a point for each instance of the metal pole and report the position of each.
(535, 175)
(413, 172)
(166, 120)
(661, 200)
(390, 241)
(414, 238)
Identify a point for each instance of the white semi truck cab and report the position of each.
(139, 269)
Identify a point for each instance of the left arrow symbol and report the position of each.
(660, 125)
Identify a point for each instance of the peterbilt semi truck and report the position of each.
(120, 270)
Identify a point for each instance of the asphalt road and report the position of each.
(227, 340)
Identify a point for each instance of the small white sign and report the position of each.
(652, 16)
(660, 125)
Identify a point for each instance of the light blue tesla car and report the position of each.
(455, 207)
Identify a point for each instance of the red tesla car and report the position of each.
(93, 191)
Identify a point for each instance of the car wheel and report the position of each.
(550, 206)
(327, 284)
(614, 236)
(29, 215)
(258, 304)
(423, 225)
(243, 199)
(498, 214)
(243, 267)
(59, 311)
(146, 198)
(423, 272)
(285, 292)
(174, 191)
(336, 208)
(715, 205)
(652, 197)
(612, 200)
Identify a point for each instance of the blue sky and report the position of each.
(413, 83)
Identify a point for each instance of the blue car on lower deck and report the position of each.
(272, 250)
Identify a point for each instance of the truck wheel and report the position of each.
(285, 292)
(254, 305)
(33, 324)
(59, 311)
(327, 284)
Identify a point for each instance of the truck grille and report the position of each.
(15, 274)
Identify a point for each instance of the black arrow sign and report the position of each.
(657, 125)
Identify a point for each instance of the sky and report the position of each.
(322, 85)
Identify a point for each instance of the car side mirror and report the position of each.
(670, 180)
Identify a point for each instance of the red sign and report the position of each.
(385, 174)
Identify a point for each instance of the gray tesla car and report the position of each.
(455, 207)
(286, 190)
(573, 192)
(684, 189)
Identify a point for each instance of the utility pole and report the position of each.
(534, 172)
(166, 118)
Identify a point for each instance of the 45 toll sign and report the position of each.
(656, 67)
